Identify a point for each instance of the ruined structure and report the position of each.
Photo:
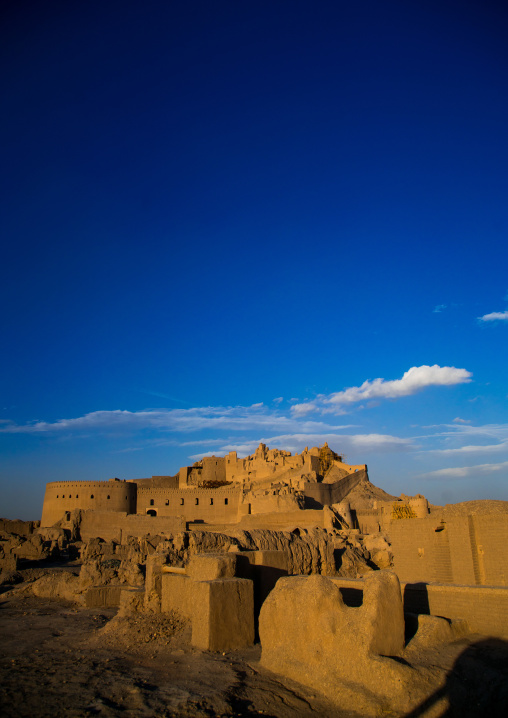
(288, 550)
(213, 491)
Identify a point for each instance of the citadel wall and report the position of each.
(219, 505)
(167, 482)
(63, 497)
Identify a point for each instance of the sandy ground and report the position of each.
(57, 659)
(60, 660)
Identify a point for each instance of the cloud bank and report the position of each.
(412, 381)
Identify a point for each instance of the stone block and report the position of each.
(210, 566)
(177, 594)
(223, 614)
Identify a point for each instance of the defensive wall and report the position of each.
(318, 495)
(157, 482)
(468, 549)
(219, 505)
(63, 497)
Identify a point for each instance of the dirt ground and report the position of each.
(57, 659)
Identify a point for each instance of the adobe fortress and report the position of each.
(216, 490)
(301, 552)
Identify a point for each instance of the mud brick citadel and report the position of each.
(301, 553)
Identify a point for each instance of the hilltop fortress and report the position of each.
(216, 490)
(275, 490)
(270, 489)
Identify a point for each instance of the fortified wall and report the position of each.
(63, 497)
(459, 544)
(217, 490)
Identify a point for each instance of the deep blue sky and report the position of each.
(210, 205)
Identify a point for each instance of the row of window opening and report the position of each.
(182, 502)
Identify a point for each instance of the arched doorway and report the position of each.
(151, 512)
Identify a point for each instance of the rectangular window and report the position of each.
(182, 502)
(167, 502)
(197, 502)
(225, 502)
(211, 502)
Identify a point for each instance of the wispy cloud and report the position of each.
(439, 308)
(473, 449)
(462, 472)
(458, 420)
(236, 418)
(412, 381)
(494, 317)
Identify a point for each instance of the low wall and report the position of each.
(485, 608)
(18, 527)
(116, 526)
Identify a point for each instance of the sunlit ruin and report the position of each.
(276, 584)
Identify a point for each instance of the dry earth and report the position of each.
(57, 659)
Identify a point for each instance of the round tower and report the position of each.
(62, 497)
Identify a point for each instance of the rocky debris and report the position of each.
(32, 547)
(57, 584)
(106, 571)
(379, 549)
(330, 553)
(135, 629)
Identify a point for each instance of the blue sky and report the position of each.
(232, 222)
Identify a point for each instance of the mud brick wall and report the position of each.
(115, 526)
(466, 550)
(485, 608)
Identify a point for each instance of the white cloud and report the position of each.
(236, 418)
(473, 449)
(492, 431)
(303, 409)
(462, 472)
(439, 308)
(412, 381)
(458, 420)
(494, 317)
(278, 399)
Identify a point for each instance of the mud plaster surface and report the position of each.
(60, 660)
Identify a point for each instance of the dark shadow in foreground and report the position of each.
(476, 686)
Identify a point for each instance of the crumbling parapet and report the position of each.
(309, 635)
